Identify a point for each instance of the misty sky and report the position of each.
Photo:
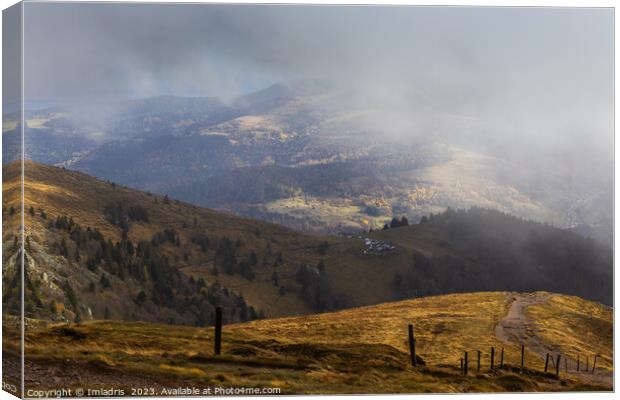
(77, 52)
(538, 72)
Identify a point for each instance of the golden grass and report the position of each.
(445, 326)
(576, 326)
(362, 350)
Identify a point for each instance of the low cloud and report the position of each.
(533, 78)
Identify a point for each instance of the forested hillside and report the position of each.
(97, 250)
(479, 249)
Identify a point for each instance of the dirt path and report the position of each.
(517, 328)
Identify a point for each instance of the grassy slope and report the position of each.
(62, 192)
(84, 198)
(362, 279)
(574, 324)
(353, 351)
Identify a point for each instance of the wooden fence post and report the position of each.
(594, 363)
(412, 346)
(546, 362)
(577, 362)
(218, 330)
(478, 369)
(557, 366)
(465, 365)
(462, 370)
(587, 363)
(501, 358)
(492, 357)
(522, 357)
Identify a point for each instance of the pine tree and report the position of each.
(279, 259)
(274, 278)
(253, 260)
(71, 296)
(323, 247)
(105, 282)
(64, 251)
(395, 223)
(141, 298)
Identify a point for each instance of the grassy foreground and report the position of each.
(361, 350)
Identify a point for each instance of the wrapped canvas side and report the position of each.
(13, 254)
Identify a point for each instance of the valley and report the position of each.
(124, 284)
(97, 250)
(301, 145)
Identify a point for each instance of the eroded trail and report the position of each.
(517, 328)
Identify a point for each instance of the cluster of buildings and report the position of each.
(373, 246)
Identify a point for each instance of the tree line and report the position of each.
(489, 250)
(124, 264)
